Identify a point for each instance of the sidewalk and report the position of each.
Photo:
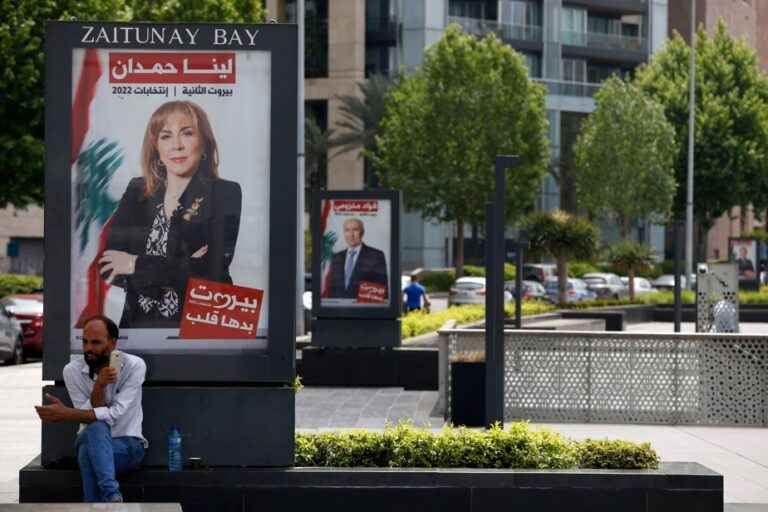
(740, 454)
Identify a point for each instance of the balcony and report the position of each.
(505, 32)
(605, 41)
(566, 88)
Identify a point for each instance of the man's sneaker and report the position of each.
(116, 498)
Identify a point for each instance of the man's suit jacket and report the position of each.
(371, 266)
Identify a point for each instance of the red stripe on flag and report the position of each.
(97, 287)
(86, 90)
(326, 284)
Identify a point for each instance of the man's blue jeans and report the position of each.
(101, 457)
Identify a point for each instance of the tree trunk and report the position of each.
(631, 285)
(460, 247)
(625, 228)
(743, 210)
(562, 278)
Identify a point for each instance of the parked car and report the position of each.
(540, 272)
(642, 285)
(27, 311)
(11, 339)
(532, 290)
(606, 285)
(667, 282)
(470, 290)
(576, 290)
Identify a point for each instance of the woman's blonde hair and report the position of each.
(152, 169)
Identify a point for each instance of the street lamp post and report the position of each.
(691, 122)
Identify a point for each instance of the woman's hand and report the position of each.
(118, 262)
(200, 252)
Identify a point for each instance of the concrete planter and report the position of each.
(673, 487)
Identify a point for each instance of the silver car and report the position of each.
(606, 285)
(642, 285)
(11, 340)
(470, 290)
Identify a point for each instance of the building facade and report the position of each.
(570, 46)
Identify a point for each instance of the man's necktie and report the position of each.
(351, 256)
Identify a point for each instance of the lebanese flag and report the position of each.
(93, 153)
(325, 259)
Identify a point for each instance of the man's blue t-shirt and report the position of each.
(413, 293)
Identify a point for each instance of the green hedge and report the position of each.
(16, 283)
(416, 323)
(477, 271)
(438, 281)
(687, 297)
(518, 446)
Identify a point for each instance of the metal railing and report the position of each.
(566, 88)
(619, 377)
(607, 41)
(504, 31)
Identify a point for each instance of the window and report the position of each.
(478, 9)
(315, 35)
(533, 63)
(574, 70)
(574, 26)
(521, 13)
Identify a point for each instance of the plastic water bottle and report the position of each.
(175, 457)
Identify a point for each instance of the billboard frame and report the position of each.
(276, 363)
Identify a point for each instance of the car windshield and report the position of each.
(23, 305)
(468, 286)
(595, 280)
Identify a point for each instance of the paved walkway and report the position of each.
(741, 454)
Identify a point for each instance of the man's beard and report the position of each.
(97, 363)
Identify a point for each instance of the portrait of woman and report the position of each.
(180, 219)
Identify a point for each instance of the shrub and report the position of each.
(607, 454)
(579, 268)
(518, 446)
(438, 281)
(478, 271)
(16, 283)
(416, 323)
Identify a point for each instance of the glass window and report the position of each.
(479, 9)
(315, 35)
(520, 12)
(533, 63)
(574, 70)
(574, 26)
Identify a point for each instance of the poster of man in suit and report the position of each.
(744, 254)
(355, 252)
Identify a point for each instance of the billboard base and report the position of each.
(356, 332)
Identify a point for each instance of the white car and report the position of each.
(642, 285)
(470, 290)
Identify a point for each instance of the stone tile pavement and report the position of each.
(740, 454)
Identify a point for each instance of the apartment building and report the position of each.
(571, 46)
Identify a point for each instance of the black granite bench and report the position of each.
(674, 487)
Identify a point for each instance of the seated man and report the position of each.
(107, 404)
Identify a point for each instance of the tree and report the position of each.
(564, 237)
(22, 32)
(631, 257)
(624, 157)
(316, 144)
(470, 101)
(361, 115)
(731, 137)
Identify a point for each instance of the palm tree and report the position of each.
(317, 142)
(631, 257)
(361, 114)
(564, 237)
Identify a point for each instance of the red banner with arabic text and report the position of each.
(355, 205)
(371, 293)
(171, 68)
(220, 311)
